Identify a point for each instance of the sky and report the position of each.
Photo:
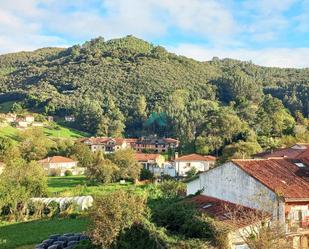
(266, 32)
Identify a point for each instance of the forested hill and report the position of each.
(131, 83)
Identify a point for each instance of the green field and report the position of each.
(77, 185)
(33, 232)
(63, 132)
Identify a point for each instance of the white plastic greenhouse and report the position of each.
(83, 202)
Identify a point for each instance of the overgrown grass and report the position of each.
(78, 185)
(25, 234)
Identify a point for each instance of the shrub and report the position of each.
(52, 209)
(55, 172)
(192, 172)
(146, 174)
(68, 173)
(171, 188)
(112, 214)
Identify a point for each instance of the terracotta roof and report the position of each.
(280, 175)
(131, 140)
(233, 214)
(195, 157)
(102, 140)
(57, 159)
(146, 157)
(299, 150)
(170, 140)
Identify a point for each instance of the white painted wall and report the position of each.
(182, 166)
(230, 183)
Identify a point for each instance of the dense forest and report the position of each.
(129, 87)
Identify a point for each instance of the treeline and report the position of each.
(130, 87)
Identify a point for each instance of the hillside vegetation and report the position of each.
(128, 86)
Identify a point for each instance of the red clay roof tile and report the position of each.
(195, 157)
(280, 175)
(225, 211)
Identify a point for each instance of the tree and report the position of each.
(17, 108)
(19, 181)
(273, 119)
(240, 150)
(88, 114)
(237, 84)
(114, 213)
(101, 170)
(82, 154)
(129, 168)
(34, 145)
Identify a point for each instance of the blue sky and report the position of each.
(267, 32)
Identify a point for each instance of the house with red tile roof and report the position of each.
(297, 151)
(152, 162)
(60, 164)
(107, 144)
(279, 186)
(201, 163)
(239, 219)
(155, 144)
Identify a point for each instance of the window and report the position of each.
(188, 165)
(300, 165)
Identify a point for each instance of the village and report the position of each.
(275, 183)
(169, 124)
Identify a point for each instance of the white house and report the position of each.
(277, 186)
(69, 118)
(201, 163)
(106, 144)
(29, 118)
(152, 162)
(62, 164)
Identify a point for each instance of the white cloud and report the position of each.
(229, 26)
(279, 57)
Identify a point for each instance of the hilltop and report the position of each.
(130, 84)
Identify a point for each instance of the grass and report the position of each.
(26, 234)
(8, 131)
(78, 185)
(64, 132)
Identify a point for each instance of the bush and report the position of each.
(68, 173)
(55, 172)
(172, 188)
(114, 213)
(52, 209)
(146, 174)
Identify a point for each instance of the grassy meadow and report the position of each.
(25, 235)
(78, 185)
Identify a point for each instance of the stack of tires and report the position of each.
(65, 241)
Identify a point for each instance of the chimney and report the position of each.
(176, 155)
